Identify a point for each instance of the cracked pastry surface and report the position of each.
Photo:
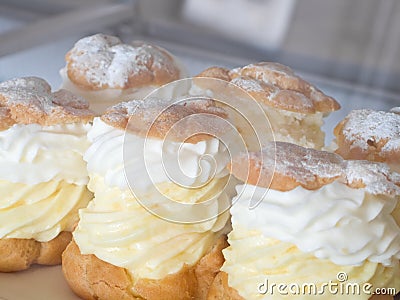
(106, 71)
(370, 135)
(294, 107)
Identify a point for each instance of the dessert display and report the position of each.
(121, 249)
(43, 175)
(294, 107)
(370, 135)
(141, 199)
(320, 220)
(106, 71)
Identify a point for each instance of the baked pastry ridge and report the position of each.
(105, 71)
(294, 107)
(370, 135)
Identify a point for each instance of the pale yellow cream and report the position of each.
(252, 259)
(118, 230)
(40, 211)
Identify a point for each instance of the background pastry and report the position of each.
(294, 107)
(120, 249)
(371, 135)
(42, 175)
(106, 71)
(322, 216)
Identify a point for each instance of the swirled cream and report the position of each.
(119, 230)
(42, 179)
(40, 211)
(309, 236)
(32, 153)
(320, 221)
(256, 265)
(106, 158)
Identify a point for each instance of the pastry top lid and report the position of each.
(101, 61)
(395, 110)
(369, 134)
(276, 85)
(153, 118)
(29, 100)
(291, 166)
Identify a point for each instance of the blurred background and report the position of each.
(349, 48)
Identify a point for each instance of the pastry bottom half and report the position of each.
(93, 279)
(20, 254)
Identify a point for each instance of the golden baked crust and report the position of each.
(142, 114)
(371, 135)
(92, 278)
(5, 118)
(102, 61)
(220, 290)
(275, 85)
(29, 100)
(284, 166)
(20, 254)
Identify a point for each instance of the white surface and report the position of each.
(37, 283)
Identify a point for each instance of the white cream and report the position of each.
(347, 226)
(32, 153)
(149, 156)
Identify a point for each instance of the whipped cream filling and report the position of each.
(344, 225)
(40, 211)
(255, 263)
(119, 230)
(32, 153)
(150, 156)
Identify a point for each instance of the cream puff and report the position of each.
(321, 227)
(123, 246)
(370, 135)
(43, 175)
(395, 110)
(106, 71)
(295, 108)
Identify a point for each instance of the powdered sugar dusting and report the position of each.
(27, 91)
(30, 100)
(304, 164)
(104, 61)
(377, 177)
(366, 127)
(395, 110)
(295, 94)
(313, 168)
(248, 84)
